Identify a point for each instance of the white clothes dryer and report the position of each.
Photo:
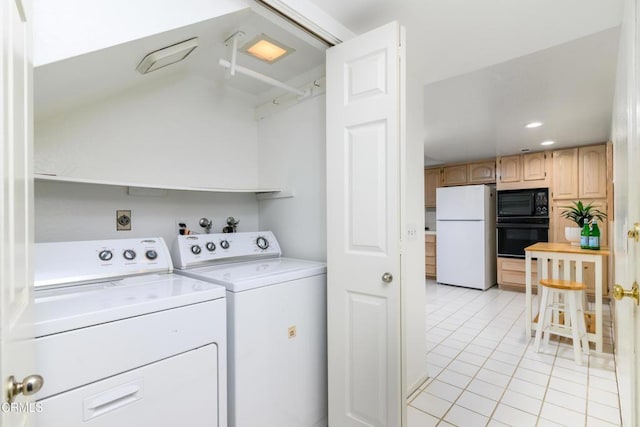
(276, 322)
(121, 341)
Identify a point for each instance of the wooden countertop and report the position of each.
(567, 248)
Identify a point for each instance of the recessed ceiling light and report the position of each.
(547, 142)
(533, 125)
(266, 49)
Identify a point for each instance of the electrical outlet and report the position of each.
(123, 220)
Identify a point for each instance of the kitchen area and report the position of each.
(533, 189)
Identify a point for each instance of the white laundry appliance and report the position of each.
(466, 244)
(122, 341)
(276, 320)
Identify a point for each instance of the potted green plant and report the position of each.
(580, 214)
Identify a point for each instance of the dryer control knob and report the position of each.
(195, 249)
(151, 254)
(129, 254)
(224, 244)
(262, 243)
(105, 255)
(211, 246)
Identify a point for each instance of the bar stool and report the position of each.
(575, 328)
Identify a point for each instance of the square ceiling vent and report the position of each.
(167, 56)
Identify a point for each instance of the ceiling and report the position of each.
(484, 68)
(569, 88)
(82, 79)
(488, 67)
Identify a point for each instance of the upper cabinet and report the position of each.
(454, 175)
(580, 173)
(432, 180)
(481, 172)
(565, 174)
(531, 170)
(509, 169)
(592, 164)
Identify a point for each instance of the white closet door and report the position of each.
(363, 238)
(16, 206)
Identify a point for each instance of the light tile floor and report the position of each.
(484, 371)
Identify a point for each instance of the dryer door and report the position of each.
(158, 394)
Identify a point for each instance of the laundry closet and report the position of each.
(179, 143)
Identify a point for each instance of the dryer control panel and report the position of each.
(60, 263)
(198, 248)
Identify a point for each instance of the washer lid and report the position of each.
(242, 276)
(73, 307)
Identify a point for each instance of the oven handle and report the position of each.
(521, 225)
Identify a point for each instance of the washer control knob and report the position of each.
(105, 255)
(195, 249)
(262, 243)
(129, 254)
(224, 244)
(151, 254)
(211, 246)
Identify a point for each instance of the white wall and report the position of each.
(292, 156)
(71, 211)
(181, 130)
(67, 28)
(412, 259)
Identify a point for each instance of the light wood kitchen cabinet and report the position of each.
(534, 166)
(531, 170)
(430, 255)
(509, 169)
(432, 180)
(511, 274)
(454, 175)
(580, 173)
(481, 172)
(592, 177)
(565, 174)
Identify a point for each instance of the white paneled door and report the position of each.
(364, 139)
(626, 143)
(16, 219)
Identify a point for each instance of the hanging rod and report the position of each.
(258, 76)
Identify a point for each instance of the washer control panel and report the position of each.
(59, 263)
(198, 248)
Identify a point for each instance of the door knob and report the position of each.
(29, 385)
(619, 292)
(635, 233)
(387, 277)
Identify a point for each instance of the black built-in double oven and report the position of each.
(523, 219)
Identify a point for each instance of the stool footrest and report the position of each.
(565, 285)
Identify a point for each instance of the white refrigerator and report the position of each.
(466, 243)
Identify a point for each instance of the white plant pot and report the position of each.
(572, 234)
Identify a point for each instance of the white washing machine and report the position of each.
(122, 341)
(276, 326)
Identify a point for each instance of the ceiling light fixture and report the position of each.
(266, 49)
(533, 125)
(167, 56)
(547, 142)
